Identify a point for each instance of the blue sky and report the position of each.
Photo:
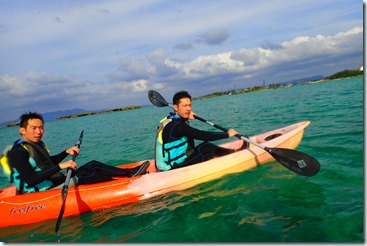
(58, 55)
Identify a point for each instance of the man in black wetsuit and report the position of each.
(175, 145)
(31, 168)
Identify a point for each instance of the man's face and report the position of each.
(33, 131)
(183, 108)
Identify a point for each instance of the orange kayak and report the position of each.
(45, 205)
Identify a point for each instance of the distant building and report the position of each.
(360, 68)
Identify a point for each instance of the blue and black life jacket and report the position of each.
(172, 153)
(39, 160)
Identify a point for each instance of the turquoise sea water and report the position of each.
(265, 204)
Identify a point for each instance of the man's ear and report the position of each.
(22, 130)
(175, 107)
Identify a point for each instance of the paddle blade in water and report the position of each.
(156, 99)
(296, 161)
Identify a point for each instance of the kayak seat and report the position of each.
(268, 138)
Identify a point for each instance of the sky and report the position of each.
(104, 54)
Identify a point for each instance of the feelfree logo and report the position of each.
(26, 209)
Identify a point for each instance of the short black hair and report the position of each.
(29, 116)
(179, 95)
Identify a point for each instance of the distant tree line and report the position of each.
(338, 75)
(101, 112)
(84, 114)
(345, 74)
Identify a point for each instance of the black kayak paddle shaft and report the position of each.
(65, 188)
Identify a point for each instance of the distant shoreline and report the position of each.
(85, 114)
(216, 94)
(101, 112)
(270, 87)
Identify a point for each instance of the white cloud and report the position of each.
(251, 60)
(101, 54)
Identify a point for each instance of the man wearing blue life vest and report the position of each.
(30, 168)
(175, 145)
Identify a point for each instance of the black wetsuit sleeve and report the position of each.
(190, 132)
(58, 158)
(19, 159)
